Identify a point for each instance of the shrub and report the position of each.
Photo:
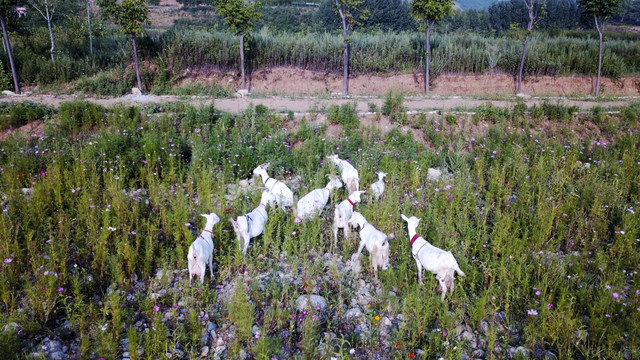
(394, 108)
(19, 114)
(344, 115)
(79, 114)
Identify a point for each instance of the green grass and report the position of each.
(535, 231)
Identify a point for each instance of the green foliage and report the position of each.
(80, 114)
(393, 107)
(431, 11)
(344, 115)
(22, 113)
(239, 15)
(131, 15)
(600, 8)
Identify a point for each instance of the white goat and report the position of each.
(312, 204)
(348, 173)
(252, 224)
(376, 242)
(440, 262)
(201, 250)
(377, 188)
(342, 213)
(283, 195)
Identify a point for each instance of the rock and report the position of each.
(242, 92)
(126, 354)
(135, 91)
(519, 351)
(220, 350)
(308, 302)
(11, 327)
(420, 352)
(353, 313)
(204, 351)
(243, 354)
(244, 183)
(477, 354)
(364, 298)
(484, 327)
(8, 93)
(433, 174)
(54, 346)
(58, 355)
(468, 336)
(211, 329)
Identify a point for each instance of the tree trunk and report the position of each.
(7, 44)
(89, 27)
(427, 52)
(244, 82)
(135, 58)
(53, 43)
(524, 55)
(345, 45)
(600, 29)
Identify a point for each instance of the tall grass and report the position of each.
(548, 244)
(401, 52)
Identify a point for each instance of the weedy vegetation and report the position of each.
(538, 205)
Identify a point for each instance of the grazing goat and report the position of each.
(252, 224)
(312, 204)
(377, 188)
(348, 173)
(342, 214)
(283, 195)
(376, 242)
(440, 262)
(201, 250)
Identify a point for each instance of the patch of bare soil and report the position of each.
(35, 128)
(285, 81)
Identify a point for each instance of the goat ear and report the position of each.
(404, 217)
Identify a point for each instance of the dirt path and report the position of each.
(302, 105)
(303, 91)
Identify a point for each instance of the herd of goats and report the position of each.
(275, 192)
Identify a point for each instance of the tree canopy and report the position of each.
(239, 15)
(131, 15)
(431, 10)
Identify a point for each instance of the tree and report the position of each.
(240, 16)
(6, 7)
(86, 4)
(47, 8)
(349, 11)
(601, 10)
(533, 19)
(131, 15)
(430, 11)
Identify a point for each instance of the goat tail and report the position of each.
(389, 237)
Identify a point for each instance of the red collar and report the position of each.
(206, 231)
(350, 202)
(413, 239)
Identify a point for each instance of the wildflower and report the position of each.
(187, 224)
(377, 318)
(615, 295)
(174, 306)
(60, 289)
(450, 198)
(8, 260)
(298, 220)
(436, 189)
(550, 305)
(293, 233)
(257, 335)
(199, 290)
(246, 288)
(532, 312)
(132, 232)
(608, 287)
(444, 332)
(169, 355)
(397, 343)
(607, 315)
(638, 292)
(453, 234)
(538, 292)
(156, 308)
(352, 351)
(412, 355)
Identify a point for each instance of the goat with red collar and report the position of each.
(440, 262)
(201, 250)
(282, 193)
(342, 213)
(376, 242)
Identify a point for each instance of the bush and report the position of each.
(344, 115)
(19, 114)
(79, 114)
(394, 108)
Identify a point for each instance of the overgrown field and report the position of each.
(539, 207)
